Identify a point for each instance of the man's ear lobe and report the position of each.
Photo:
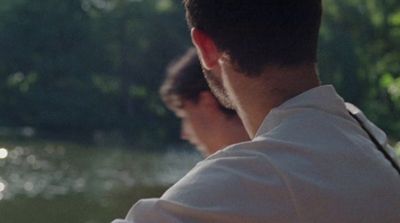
(206, 48)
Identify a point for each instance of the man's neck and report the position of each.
(255, 97)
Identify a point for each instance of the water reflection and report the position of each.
(48, 170)
(2, 188)
(3, 153)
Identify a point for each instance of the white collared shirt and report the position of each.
(309, 162)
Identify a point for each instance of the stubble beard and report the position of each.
(218, 89)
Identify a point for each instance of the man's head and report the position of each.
(258, 33)
(185, 91)
(259, 53)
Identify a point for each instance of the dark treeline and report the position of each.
(81, 66)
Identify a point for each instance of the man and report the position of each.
(204, 121)
(309, 160)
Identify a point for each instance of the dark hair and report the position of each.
(257, 33)
(185, 81)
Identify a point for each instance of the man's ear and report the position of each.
(206, 48)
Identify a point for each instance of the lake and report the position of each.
(59, 182)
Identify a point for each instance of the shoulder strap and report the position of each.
(354, 112)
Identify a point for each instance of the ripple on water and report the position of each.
(3, 153)
(50, 170)
(2, 186)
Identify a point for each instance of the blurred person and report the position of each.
(311, 158)
(205, 123)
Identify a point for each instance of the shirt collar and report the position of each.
(322, 98)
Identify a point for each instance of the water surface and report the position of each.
(48, 182)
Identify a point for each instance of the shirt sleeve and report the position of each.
(228, 188)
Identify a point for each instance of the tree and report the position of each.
(359, 53)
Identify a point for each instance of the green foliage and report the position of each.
(393, 87)
(360, 55)
(79, 66)
(86, 65)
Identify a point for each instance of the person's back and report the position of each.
(330, 167)
(309, 160)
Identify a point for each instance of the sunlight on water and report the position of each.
(3, 153)
(28, 186)
(67, 182)
(2, 187)
(49, 170)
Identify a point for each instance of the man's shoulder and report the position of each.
(236, 171)
(236, 160)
